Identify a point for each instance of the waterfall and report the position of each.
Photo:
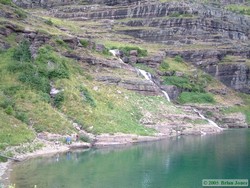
(148, 76)
(209, 120)
(166, 95)
(116, 53)
(145, 74)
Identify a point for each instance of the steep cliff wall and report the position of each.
(175, 24)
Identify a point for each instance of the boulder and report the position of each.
(132, 60)
(172, 91)
(99, 47)
(133, 53)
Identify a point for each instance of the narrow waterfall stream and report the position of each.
(145, 74)
(209, 120)
(148, 76)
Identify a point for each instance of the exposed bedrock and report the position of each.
(236, 76)
(141, 86)
(186, 30)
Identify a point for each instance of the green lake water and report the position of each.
(173, 163)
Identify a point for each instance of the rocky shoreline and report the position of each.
(104, 140)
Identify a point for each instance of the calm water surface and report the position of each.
(175, 163)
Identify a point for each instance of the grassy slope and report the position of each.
(107, 109)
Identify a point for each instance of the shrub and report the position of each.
(126, 50)
(194, 97)
(87, 96)
(178, 59)
(49, 22)
(58, 100)
(45, 97)
(164, 66)
(62, 43)
(12, 90)
(21, 14)
(84, 43)
(22, 117)
(35, 80)
(84, 138)
(22, 52)
(181, 82)
(9, 110)
(6, 2)
(7, 102)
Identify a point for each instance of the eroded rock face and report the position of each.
(236, 76)
(144, 87)
(42, 3)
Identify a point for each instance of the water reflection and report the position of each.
(177, 162)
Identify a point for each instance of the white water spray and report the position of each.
(145, 74)
(209, 120)
(166, 95)
(148, 76)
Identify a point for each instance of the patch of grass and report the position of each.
(61, 43)
(13, 131)
(6, 2)
(178, 59)
(243, 109)
(145, 67)
(194, 97)
(87, 97)
(84, 43)
(49, 22)
(22, 52)
(20, 13)
(181, 82)
(37, 74)
(164, 66)
(58, 100)
(84, 138)
(126, 50)
(42, 116)
(241, 9)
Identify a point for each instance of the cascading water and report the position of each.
(148, 76)
(166, 95)
(145, 74)
(209, 120)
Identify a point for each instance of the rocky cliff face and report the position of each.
(172, 24)
(236, 76)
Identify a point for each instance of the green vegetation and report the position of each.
(61, 43)
(241, 9)
(127, 49)
(188, 83)
(58, 100)
(84, 43)
(178, 59)
(164, 66)
(49, 22)
(13, 131)
(193, 97)
(38, 73)
(145, 67)
(87, 96)
(6, 2)
(242, 108)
